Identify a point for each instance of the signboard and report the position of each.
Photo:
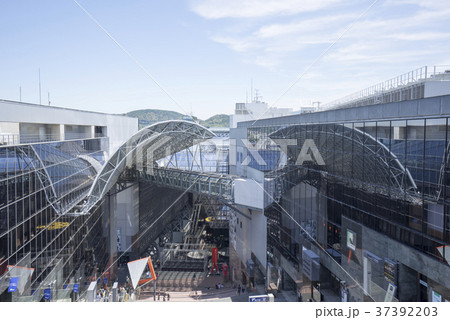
(261, 298)
(351, 240)
(390, 271)
(435, 297)
(13, 282)
(54, 226)
(105, 280)
(75, 287)
(47, 294)
(390, 293)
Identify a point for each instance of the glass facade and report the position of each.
(391, 177)
(40, 187)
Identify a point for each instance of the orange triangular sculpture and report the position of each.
(137, 268)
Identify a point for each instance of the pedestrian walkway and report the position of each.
(184, 286)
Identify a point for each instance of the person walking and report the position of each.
(239, 289)
(168, 297)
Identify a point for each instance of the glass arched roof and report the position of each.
(352, 155)
(143, 150)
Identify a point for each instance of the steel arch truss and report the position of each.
(350, 156)
(142, 151)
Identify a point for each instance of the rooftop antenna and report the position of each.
(20, 93)
(40, 102)
(257, 96)
(48, 97)
(251, 89)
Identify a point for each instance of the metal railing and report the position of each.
(406, 80)
(15, 138)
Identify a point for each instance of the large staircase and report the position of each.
(183, 281)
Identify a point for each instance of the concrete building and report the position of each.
(357, 195)
(255, 110)
(37, 123)
(49, 157)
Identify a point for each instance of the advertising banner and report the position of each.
(47, 294)
(435, 297)
(260, 298)
(390, 271)
(13, 282)
(351, 240)
(390, 293)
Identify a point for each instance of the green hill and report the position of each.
(218, 120)
(149, 116)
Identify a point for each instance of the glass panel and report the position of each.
(415, 150)
(434, 157)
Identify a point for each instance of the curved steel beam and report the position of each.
(340, 146)
(143, 149)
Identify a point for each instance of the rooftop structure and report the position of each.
(424, 82)
(31, 123)
(255, 110)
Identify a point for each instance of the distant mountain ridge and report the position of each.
(149, 116)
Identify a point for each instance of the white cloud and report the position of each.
(443, 4)
(235, 43)
(304, 26)
(420, 36)
(216, 9)
(393, 37)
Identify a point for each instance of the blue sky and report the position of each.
(204, 54)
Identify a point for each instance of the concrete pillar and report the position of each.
(367, 273)
(115, 292)
(62, 133)
(91, 292)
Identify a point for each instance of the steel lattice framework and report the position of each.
(143, 150)
(351, 156)
(211, 184)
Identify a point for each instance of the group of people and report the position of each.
(164, 296)
(219, 285)
(123, 295)
(240, 289)
(104, 295)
